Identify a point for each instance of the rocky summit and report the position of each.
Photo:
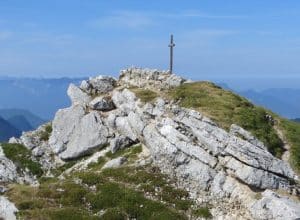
(128, 136)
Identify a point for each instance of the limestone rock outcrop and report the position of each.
(148, 78)
(214, 165)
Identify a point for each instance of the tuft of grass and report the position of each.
(178, 197)
(90, 178)
(59, 170)
(202, 212)
(129, 153)
(44, 135)
(21, 157)
(227, 108)
(97, 165)
(145, 95)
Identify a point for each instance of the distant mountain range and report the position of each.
(282, 101)
(7, 130)
(42, 97)
(297, 120)
(14, 121)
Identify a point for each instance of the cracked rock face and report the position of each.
(88, 134)
(214, 165)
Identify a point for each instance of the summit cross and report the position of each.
(171, 45)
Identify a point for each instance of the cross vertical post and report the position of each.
(171, 45)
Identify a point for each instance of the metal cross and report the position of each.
(171, 45)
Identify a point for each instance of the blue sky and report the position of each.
(214, 38)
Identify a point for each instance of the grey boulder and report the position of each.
(63, 125)
(77, 96)
(98, 85)
(120, 142)
(88, 134)
(102, 104)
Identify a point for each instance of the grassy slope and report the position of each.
(120, 192)
(226, 108)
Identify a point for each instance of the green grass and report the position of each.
(97, 165)
(149, 180)
(202, 212)
(131, 202)
(226, 108)
(21, 157)
(114, 214)
(145, 95)
(129, 153)
(119, 192)
(291, 131)
(59, 170)
(68, 213)
(45, 134)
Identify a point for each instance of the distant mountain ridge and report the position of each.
(21, 123)
(44, 96)
(283, 101)
(14, 121)
(7, 130)
(17, 116)
(40, 96)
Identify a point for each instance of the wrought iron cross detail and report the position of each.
(171, 45)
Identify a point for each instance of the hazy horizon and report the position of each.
(218, 38)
